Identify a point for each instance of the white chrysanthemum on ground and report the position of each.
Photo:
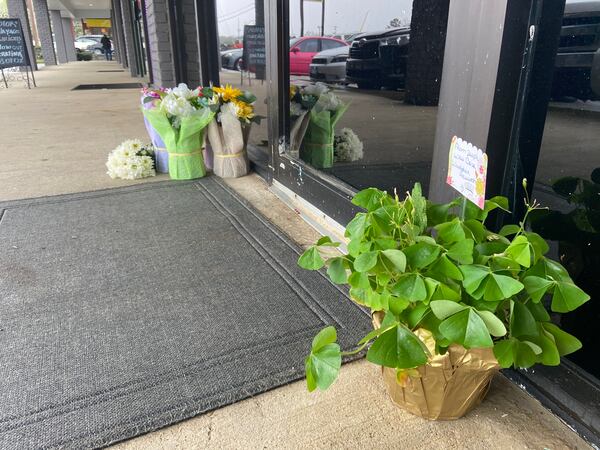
(131, 160)
(347, 146)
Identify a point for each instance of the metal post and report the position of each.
(27, 72)
(32, 76)
(4, 78)
(147, 43)
(322, 17)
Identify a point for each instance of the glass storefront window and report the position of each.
(363, 97)
(568, 173)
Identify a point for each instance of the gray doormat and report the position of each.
(126, 310)
(87, 87)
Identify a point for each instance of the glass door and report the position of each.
(362, 83)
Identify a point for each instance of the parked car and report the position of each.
(232, 59)
(90, 43)
(302, 51)
(330, 65)
(379, 59)
(577, 65)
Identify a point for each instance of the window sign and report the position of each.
(467, 170)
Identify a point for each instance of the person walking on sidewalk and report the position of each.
(106, 47)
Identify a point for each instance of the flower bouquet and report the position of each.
(323, 109)
(347, 147)
(150, 100)
(131, 160)
(180, 119)
(228, 134)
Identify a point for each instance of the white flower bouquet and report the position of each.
(317, 110)
(228, 133)
(180, 118)
(347, 147)
(131, 160)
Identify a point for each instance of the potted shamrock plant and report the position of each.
(452, 301)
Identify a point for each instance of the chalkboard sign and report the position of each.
(13, 52)
(254, 47)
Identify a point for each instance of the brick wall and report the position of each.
(160, 43)
(426, 54)
(42, 18)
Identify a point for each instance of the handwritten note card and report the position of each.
(467, 170)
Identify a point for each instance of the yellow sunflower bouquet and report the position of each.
(228, 132)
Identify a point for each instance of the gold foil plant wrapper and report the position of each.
(448, 386)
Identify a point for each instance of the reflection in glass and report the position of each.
(568, 176)
(350, 115)
(237, 26)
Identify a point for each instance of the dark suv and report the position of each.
(379, 59)
(577, 66)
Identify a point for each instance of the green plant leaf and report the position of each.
(537, 287)
(546, 268)
(358, 280)
(538, 244)
(323, 367)
(462, 251)
(522, 322)
(445, 268)
(326, 241)
(467, 329)
(446, 308)
(327, 335)
(337, 271)
(476, 229)
(544, 340)
(504, 351)
(525, 355)
(365, 261)
(396, 304)
(356, 227)
(369, 199)
(439, 213)
(511, 352)
(421, 254)
(323, 364)
(565, 343)
(451, 231)
(538, 311)
(419, 207)
(509, 230)
(519, 250)
(473, 276)
(311, 259)
(410, 287)
(493, 323)
(398, 348)
(396, 257)
(500, 287)
(567, 297)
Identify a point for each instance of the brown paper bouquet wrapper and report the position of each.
(448, 386)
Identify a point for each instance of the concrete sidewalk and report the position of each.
(55, 141)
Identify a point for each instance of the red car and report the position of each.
(304, 48)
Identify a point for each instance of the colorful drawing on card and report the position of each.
(467, 170)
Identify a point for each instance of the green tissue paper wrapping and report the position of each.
(317, 145)
(184, 144)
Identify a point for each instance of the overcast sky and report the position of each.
(341, 16)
